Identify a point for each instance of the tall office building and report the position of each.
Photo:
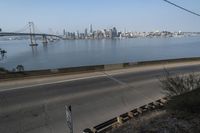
(64, 32)
(114, 32)
(77, 34)
(86, 32)
(91, 30)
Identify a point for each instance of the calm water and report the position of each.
(93, 52)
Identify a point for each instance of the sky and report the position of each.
(76, 15)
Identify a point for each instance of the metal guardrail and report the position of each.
(135, 113)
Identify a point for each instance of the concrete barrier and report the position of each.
(113, 66)
(110, 66)
(84, 69)
(121, 119)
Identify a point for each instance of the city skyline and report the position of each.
(137, 15)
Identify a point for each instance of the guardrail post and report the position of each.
(119, 120)
(93, 130)
(130, 114)
(139, 111)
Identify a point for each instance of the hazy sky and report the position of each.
(73, 15)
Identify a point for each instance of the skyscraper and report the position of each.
(86, 32)
(64, 32)
(91, 30)
(77, 34)
(114, 32)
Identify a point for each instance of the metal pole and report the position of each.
(69, 118)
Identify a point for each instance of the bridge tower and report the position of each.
(44, 39)
(32, 34)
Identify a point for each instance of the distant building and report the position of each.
(91, 30)
(114, 32)
(86, 32)
(64, 32)
(77, 35)
(110, 35)
(119, 34)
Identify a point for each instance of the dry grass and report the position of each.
(162, 122)
(182, 112)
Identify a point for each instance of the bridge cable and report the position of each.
(22, 29)
(37, 29)
(182, 8)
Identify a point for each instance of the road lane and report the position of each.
(40, 109)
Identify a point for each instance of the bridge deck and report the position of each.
(26, 34)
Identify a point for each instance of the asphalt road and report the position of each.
(41, 109)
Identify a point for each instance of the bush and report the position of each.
(188, 102)
(3, 69)
(20, 68)
(184, 92)
(179, 84)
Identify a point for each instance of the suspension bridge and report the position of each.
(32, 33)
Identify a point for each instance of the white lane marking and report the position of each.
(55, 82)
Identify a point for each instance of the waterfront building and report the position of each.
(64, 32)
(91, 30)
(86, 32)
(77, 35)
(110, 33)
(114, 32)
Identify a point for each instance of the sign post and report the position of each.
(69, 118)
